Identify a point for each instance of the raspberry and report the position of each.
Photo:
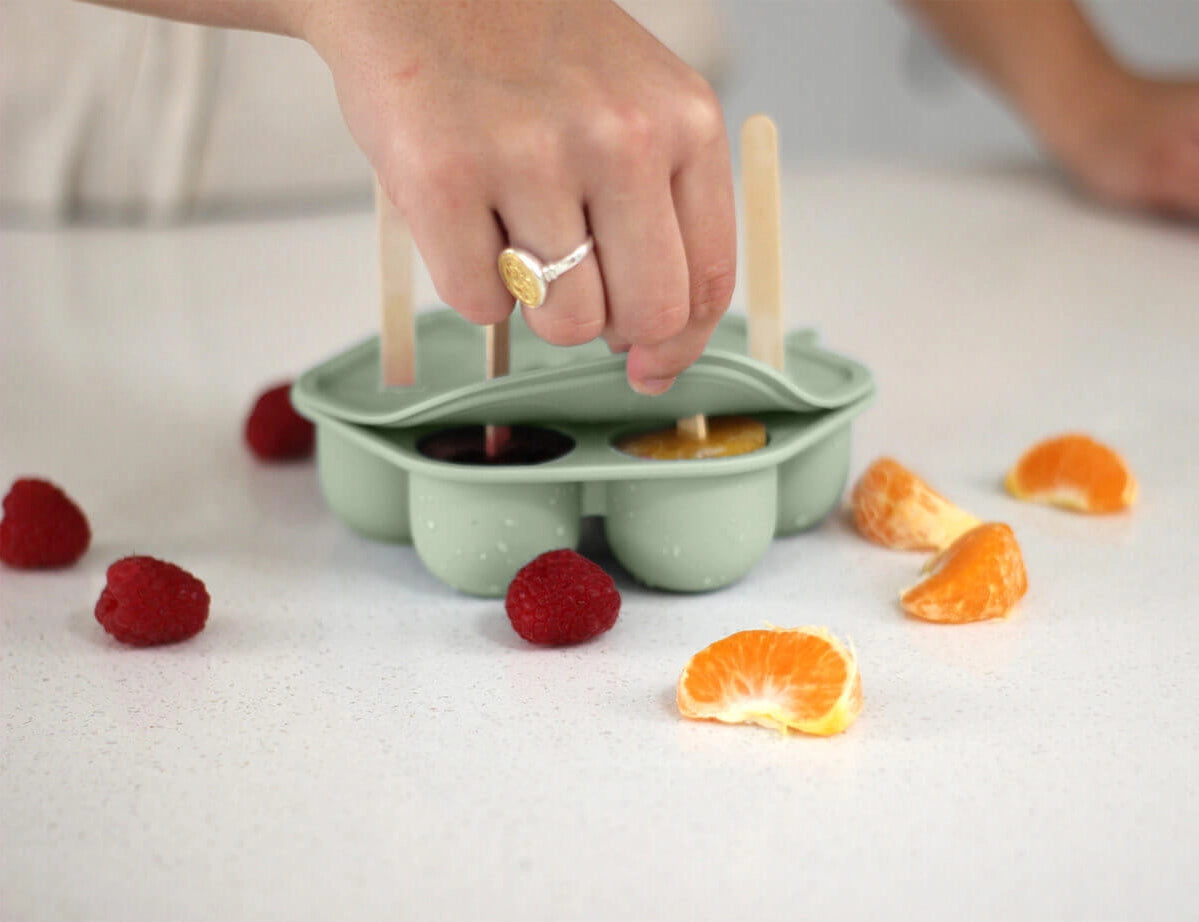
(560, 598)
(42, 526)
(149, 601)
(275, 431)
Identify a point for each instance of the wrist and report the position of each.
(1071, 106)
(351, 33)
(303, 18)
(321, 23)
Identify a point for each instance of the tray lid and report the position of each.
(579, 383)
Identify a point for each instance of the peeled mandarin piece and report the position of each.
(980, 576)
(1074, 472)
(727, 436)
(783, 678)
(895, 508)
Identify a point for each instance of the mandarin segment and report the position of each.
(897, 509)
(1074, 472)
(978, 577)
(782, 678)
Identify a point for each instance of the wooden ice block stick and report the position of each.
(763, 243)
(496, 438)
(694, 427)
(397, 331)
(498, 350)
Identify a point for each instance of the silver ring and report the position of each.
(528, 278)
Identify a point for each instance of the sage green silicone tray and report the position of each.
(687, 526)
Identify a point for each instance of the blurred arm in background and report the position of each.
(1127, 138)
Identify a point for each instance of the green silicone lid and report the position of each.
(580, 383)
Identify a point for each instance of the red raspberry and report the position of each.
(560, 598)
(149, 601)
(275, 431)
(42, 526)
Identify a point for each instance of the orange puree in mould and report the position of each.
(727, 436)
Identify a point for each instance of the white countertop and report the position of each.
(348, 739)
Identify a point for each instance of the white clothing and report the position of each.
(113, 115)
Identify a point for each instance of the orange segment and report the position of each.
(1074, 472)
(784, 678)
(895, 508)
(980, 576)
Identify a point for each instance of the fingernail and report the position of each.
(652, 387)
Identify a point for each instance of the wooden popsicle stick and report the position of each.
(397, 330)
(763, 243)
(496, 438)
(498, 349)
(693, 427)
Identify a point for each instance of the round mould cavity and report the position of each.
(527, 445)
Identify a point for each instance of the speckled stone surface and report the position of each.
(349, 739)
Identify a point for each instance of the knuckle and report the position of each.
(701, 114)
(532, 151)
(1158, 174)
(622, 134)
(660, 321)
(470, 301)
(571, 329)
(1165, 160)
(446, 177)
(712, 290)
(1176, 169)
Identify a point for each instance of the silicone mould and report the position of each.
(686, 526)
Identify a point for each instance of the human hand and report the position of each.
(1138, 146)
(533, 123)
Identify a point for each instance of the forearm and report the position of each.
(1042, 55)
(284, 17)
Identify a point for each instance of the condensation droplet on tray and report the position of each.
(676, 551)
(483, 556)
(430, 524)
(560, 530)
(501, 547)
(707, 581)
(511, 523)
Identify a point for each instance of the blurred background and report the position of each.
(861, 79)
(109, 116)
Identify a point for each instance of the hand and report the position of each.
(1140, 147)
(533, 123)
